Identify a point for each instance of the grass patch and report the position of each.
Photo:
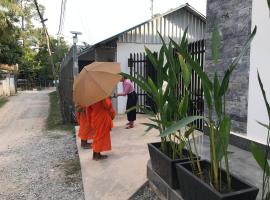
(72, 170)
(54, 120)
(3, 100)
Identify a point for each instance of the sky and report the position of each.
(101, 19)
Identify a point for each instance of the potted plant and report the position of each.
(212, 181)
(174, 147)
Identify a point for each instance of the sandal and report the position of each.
(130, 126)
(98, 156)
(86, 145)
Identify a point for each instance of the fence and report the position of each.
(24, 84)
(65, 88)
(140, 65)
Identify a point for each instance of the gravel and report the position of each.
(45, 168)
(36, 163)
(144, 193)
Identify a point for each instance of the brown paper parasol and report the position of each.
(95, 82)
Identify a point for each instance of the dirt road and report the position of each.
(35, 163)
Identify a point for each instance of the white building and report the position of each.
(119, 47)
(259, 60)
(7, 79)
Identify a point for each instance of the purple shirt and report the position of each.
(128, 86)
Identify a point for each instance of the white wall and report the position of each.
(259, 60)
(123, 52)
(7, 86)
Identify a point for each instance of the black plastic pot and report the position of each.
(163, 165)
(193, 188)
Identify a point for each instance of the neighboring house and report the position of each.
(245, 103)
(7, 79)
(119, 47)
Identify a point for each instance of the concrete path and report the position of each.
(119, 176)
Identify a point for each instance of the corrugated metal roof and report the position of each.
(170, 24)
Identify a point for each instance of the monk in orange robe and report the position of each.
(102, 116)
(84, 120)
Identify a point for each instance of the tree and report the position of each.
(24, 44)
(10, 50)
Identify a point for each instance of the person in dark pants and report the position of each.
(128, 90)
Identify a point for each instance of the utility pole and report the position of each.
(75, 56)
(42, 20)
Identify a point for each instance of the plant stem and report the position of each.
(214, 166)
(265, 174)
(229, 183)
(191, 158)
(197, 157)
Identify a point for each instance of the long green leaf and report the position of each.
(183, 106)
(207, 95)
(150, 126)
(155, 120)
(184, 41)
(215, 44)
(264, 125)
(186, 73)
(153, 59)
(244, 49)
(179, 124)
(154, 89)
(223, 140)
(189, 131)
(268, 2)
(217, 98)
(225, 83)
(197, 68)
(260, 157)
(145, 109)
(264, 95)
(161, 76)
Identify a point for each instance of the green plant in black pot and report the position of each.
(217, 121)
(169, 107)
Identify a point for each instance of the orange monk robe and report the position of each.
(102, 116)
(84, 120)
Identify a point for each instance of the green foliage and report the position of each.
(3, 100)
(224, 134)
(169, 68)
(217, 121)
(54, 119)
(31, 56)
(260, 155)
(179, 125)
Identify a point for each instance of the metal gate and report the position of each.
(140, 64)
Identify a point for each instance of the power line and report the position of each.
(62, 17)
(60, 22)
